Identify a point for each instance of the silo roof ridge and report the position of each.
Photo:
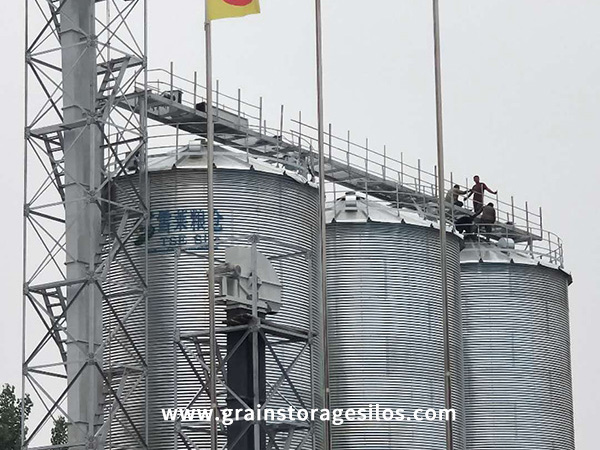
(353, 208)
(193, 156)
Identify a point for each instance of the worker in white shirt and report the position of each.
(453, 194)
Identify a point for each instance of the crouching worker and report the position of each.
(488, 218)
(464, 225)
(453, 194)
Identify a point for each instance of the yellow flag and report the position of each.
(221, 9)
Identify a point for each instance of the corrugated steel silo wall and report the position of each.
(386, 334)
(517, 357)
(124, 323)
(247, 201)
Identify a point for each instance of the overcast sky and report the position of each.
(521, 108)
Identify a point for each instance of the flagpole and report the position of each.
(210, 138)
(442, 210)
(323, 220)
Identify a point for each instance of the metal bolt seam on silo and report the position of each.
(385, 315)
(518, 390)
(251, 198)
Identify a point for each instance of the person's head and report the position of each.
(476, 178)
(457, 186)
(491, 205)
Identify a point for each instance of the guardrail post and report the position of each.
(334, 197)
(366, 195)
(402, 168)
(398, 194)
(512, 207)
(384, 161)
(260, 115)
(452, 198)
(348, 154)
(195, 88)
(280, 138)
(367, 158)
(216, 97)
(330, 147)
(467, 188)
(239, 107)
(527, 216)
(247, 147)
(435, 181)
(299, 129)
(171, 79)
(541, 223)
(419, 175)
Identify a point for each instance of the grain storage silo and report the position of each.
(516, 350)
(385, 324)
(253, 199)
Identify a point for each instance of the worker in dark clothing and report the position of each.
(488, 217)
(477, 191)
(464, 225)
(452, 196)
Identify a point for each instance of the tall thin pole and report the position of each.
(323, 246)
(210, 137)
(24, 225)
(442, 207)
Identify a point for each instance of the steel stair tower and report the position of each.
(82, 58)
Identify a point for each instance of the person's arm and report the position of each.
(460, 192)
(470, 191)
(485, 186)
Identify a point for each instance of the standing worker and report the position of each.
(477, 191)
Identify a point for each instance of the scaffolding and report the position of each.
(83, 57)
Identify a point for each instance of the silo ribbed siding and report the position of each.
(517, 357)
(386, 335)
(271, 205)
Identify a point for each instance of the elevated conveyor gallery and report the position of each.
(178, 104)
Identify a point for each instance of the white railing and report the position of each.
(366, 166)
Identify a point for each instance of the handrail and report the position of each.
(364, 163)
(547, 249)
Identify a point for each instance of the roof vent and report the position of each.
(351, 201)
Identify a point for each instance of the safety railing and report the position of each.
(375, 172)
(549, 249)
(192, 93)
(371, 166)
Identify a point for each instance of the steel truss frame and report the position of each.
(83, 59)
(195, 349)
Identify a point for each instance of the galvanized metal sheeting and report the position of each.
(386, 336)
(517, 357)
(248, 202)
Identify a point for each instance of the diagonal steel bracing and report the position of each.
(193, 348)
(84, 278)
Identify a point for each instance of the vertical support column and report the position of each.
(212, 382)
(322, 216)
(256, 382)
(247, 378)
(83, 161)
(443, 256)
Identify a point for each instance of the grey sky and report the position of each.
(521, 108)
